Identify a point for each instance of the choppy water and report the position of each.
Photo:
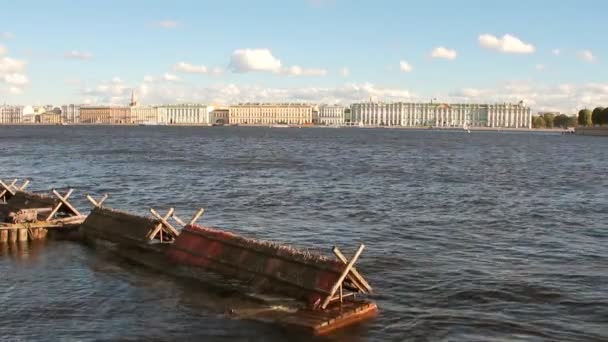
(471, 237)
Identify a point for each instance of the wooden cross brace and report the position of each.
(97, 204)
(163, 223)
(354, 276)
(7, 188)
(22, 186)
(345, 272)
(196, 216)
(63, 201)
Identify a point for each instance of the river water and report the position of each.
(487, 236)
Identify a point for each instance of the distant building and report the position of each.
(28, 115)
(185, 114)
(220, 116)
(48, 118)
(109, 115)
(331, 115)
(70, 113)
(271, 113)
(141, 115)
(11, 114)
(441, 114)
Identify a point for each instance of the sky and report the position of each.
(550, 54)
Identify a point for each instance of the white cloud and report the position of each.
(82, 55)
(297, 70)
(170, 77)
(506, 44)
(15, 90)
(217, 71)
(168, 24)
(190, 68)
(467, 93)
(8, 65)
(3, 50)
(443, 52)
(540, 67)
(587, 56)
(16, 79)
(556, 52)
(12, 74)
(149, 78)
(159, 92)
(262, 60)
(6, 35)
(566, 98)
(345, 72)
(248, 60)
(405, 66)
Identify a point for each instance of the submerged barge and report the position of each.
(316, 294)
(27, 216)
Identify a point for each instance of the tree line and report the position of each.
(597, 117)
(550, 120)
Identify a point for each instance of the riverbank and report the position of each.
(416, 128)
(594, 131)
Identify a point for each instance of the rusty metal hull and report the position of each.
(266, 267)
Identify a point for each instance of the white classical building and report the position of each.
(441, 114)
(70, 113)
(11, 114)
(332, 115)
(271, 113)
(185, 114)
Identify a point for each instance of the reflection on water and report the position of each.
(482, 236)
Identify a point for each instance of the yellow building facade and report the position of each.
(105, 115)
(271, 113)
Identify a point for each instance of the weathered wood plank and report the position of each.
(347, 269)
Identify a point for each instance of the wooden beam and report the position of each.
(158, 226)
(198, 214)
(97, 203)
(354, 275)
(163, 222)
(59, 223)
(7, 188)
(338, 283)
(65, 202)
(178, 220)
(23, 186)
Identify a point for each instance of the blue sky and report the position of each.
(550, 54)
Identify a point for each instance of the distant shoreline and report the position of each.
(417, 128)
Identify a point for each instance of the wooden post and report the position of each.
(22, 235)
(3, 236)
(350, 265)
(12, 235)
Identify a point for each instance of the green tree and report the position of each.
(604, 117)
(572, 122)
(549, 120)
(596, 116)
(584, 117)
(561, 121)
(538, 122)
